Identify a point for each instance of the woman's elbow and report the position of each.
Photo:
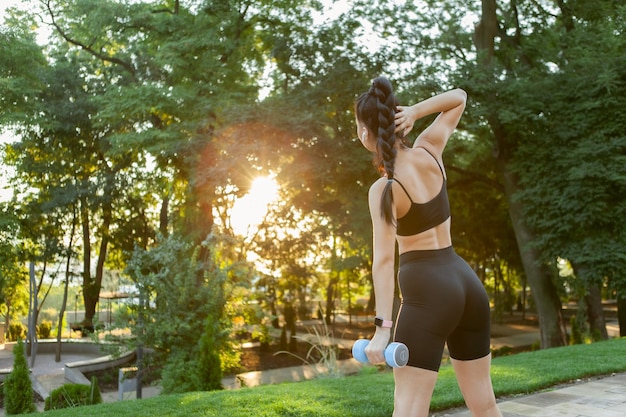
(461, 94)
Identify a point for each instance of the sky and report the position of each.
(4, 4)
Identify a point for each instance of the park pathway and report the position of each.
(594, 397)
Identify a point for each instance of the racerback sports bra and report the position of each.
(425, 216)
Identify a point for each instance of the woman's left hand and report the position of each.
(375, 350)
(404, 119)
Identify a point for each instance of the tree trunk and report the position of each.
(57, 353)
(496, 292)
(272, 303)
(7, 317)
(86, 226)
(621, 314)
(330, 300)
(332, 285)
(595, 313)
(543, 291)
(91, 290)
(164, 216)
(32, 317)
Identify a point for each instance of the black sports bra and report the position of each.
(424, 216)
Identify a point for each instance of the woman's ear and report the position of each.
(364, 135)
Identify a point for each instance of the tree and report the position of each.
(172, 74)
(182, 314)
(513, 62)
(157, 109)
(528, 68)
(18, 390)
(69, 256)
(59, 135)
(580, 219)
(19, 69)
(12, 271)
(428, 53)
(149, 90)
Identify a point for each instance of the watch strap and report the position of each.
(380, 322)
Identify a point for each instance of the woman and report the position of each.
(443, 300)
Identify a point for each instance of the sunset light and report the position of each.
(249, 210)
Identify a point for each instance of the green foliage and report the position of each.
(147, 118)
(12, 270)
(18, 389)
(184, 319)
(74, 395)
(571, 162)
(209, 361)
(44, 329)
(17, 331)
(22, 60)
(180, 373)
(95, 397)
(578, 331)
(199, 369)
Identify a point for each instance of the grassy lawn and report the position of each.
(371, 393)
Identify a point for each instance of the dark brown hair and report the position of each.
(376, 109)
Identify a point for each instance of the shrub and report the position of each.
(190, 282)
(17, 331)
(95, 395)
(44, 329)
(74, 395)
(209, 360)
(18, 390)
(200, 370)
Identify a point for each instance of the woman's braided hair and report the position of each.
(376, 109)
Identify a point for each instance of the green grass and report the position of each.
(371, 394)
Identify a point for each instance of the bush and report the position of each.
(44, 329)
(191, 293)
(200, 370)
(74, 395)
(18, 390)
(17, 331)
(180, 374)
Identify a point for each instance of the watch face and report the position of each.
(382, 323)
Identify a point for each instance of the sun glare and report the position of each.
(249, 210)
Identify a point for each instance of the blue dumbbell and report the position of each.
(396, 354)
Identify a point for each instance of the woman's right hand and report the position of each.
(375, 350)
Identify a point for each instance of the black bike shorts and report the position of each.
(443, 301)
